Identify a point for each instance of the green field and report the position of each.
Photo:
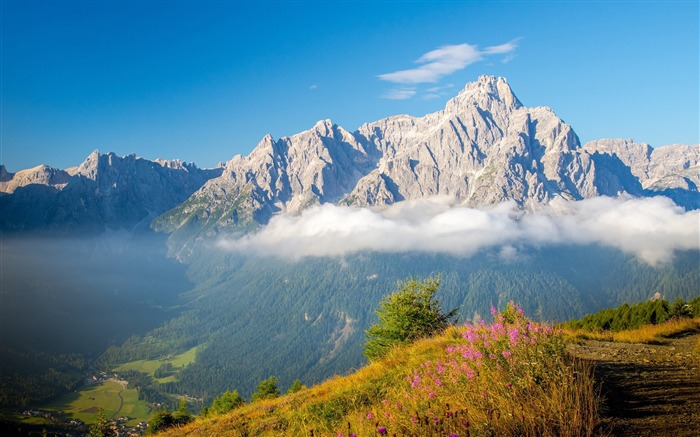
(109, 396)
(150, 366)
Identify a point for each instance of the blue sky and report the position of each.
(203, 81)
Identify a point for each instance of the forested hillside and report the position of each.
(258, 317)
(651, 312)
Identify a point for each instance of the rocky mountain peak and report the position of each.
(488, 92)
(39, 175)
(4, 174)
(88, 168)
(176, 164)
(323, 127)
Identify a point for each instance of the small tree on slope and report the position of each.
(406, 315)
(267, 389)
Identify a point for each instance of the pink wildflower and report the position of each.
(513, 336)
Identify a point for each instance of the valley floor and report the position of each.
(649, 390)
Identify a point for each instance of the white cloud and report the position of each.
(507, 49)
(446, 60)
(399, 94)
(501, 49)
(313, 87)
(652, 229)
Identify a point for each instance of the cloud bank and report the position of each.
(650, 228)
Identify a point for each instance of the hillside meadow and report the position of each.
(511, 377)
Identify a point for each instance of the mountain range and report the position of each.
(109, 298)
(485, 147)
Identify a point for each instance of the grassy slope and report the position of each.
(149, 367)
(537, 391)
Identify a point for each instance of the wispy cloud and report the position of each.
(446, 60)
(313, 87)
(652, 229)
(502, 49)
(399, 94)
(437, 91)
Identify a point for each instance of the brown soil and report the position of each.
(649, 390)
(90, 410)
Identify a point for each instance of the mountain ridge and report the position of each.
(484, 147)
(104, 192)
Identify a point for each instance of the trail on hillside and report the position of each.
(649, 390)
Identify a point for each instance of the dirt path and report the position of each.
(124, 384)
(650, 390)
(121, 405)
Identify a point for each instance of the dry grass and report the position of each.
(521, 382)
(648, 334)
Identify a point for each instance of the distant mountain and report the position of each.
(106, 191)
(485, 147)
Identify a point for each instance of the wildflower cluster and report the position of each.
(511, 377)
(513, 346)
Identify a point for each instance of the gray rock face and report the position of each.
(317, 166)
(105, 191)
(672, 171)
(485, 147)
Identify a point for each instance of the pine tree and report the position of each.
(267, 389)
(408, 314)
(295, 387)
(226, 402)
